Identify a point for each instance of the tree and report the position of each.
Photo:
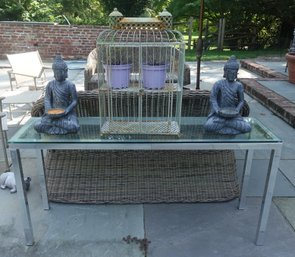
(11, 10)
(42, 11)
(264, 23)
(82, 11)
(260, 23)
(127, 8)
(247, 25)
(76, 11)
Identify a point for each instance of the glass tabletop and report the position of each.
(191, 131)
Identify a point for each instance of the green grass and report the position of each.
(211, 55)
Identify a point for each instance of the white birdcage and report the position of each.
(140, 77)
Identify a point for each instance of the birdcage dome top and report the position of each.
(135, 36)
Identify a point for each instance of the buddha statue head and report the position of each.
(60, 69)
(231, 69)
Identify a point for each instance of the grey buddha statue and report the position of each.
(227, 99)
(60, 102)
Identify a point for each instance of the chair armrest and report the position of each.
(21, 74)
(1, 99)
(38, 108)
(245, 111)
(87, 76)
(186, 75)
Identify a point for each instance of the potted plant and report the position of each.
(117, 67)
(154, 67)
(290, 57)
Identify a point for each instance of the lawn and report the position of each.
(210, 55)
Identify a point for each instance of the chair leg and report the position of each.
(4, 131)
(11, 77)
(10, 112)
(35, 83)
(4, 142)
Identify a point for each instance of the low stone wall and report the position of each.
(73, 42)
(279, 105)
(261, 70)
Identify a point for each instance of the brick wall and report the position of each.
(71, 41)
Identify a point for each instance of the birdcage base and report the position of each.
(141, 127)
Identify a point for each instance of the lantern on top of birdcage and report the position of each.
(114, 18)
(166, 17)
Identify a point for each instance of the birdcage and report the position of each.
(140, 76)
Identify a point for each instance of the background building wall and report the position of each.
(72, 42)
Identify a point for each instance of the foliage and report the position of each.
(83, 11)
(11, 10)
(251, 24)
(45, 11)
(183, 9)
(127, 8)
(247, 26)
(61, 11)
(158, 5)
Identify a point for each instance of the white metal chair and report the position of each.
(21, 98)
(26, 67)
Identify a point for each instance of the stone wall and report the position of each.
(73, 42)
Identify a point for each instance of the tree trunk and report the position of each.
(286, 34)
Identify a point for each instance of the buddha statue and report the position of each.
(227, 99)
(60, 101)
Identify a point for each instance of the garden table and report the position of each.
(191, 137)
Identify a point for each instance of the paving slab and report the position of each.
(283, 186)
(287, 168)
(75, 231)
(287, 206)
(278, 66)
(68, 229)
(283, 88)
(215, 229)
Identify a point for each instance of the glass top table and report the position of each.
(191, 137)
(191, 131)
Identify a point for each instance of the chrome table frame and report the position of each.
(274, 147)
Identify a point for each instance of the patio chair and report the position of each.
(26, 67)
